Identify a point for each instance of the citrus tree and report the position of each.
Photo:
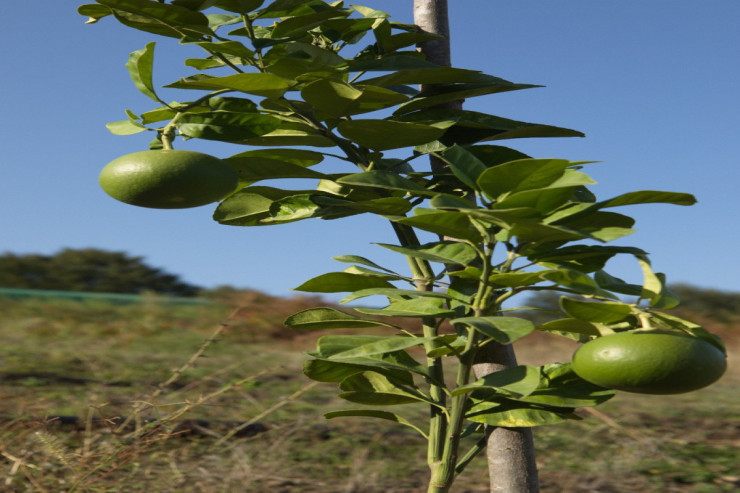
(307, 83)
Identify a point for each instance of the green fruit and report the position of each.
(168, 179)
(650, 362)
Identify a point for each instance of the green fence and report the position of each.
(111, 297)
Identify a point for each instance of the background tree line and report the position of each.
(96, 270)
(89, 269)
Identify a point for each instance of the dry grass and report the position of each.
(224, 408)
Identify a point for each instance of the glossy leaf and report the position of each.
(298, 157)
(505, 179)
(337, 282)
(510, 414)
(125, 127)
(468, 127)
(617, 285)
(385, 180)
(517, 279)
(416, 307)
(561, 387)
(370, 413)
(252, 168)
(383, 346)
(577, 281)
(464, 164)
(140, 65)
(94, 12)
(383, 135)
(571, 326)
(589, 311)
(233, 48)
(159, 18)
(392, 294)
(457, 92)
(586, 258)
(518, 381)
(376, 389)
(444, 223)
(446, 252)
(300, 24)
(649, 197)
(226, 126)
(239, 6)
(250, 206)
(329, 318)
(260, 84)
(503, 330)
(356, 259)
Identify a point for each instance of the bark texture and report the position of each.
(510, 451)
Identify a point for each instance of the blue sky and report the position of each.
(654, 85)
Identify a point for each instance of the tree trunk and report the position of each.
(510, 451)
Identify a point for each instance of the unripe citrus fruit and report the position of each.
(650, 362)
(168, 179)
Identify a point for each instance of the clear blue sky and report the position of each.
(654, 85)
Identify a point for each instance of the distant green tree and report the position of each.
(89, 269)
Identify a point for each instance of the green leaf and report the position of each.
(518, 381)
(374, 414)
(503, 330)
(356, 259)
(298, 157)
(505, 179)
(456, 92)
(586, 258)
(434, 75)
(300, 24)
(616, 285)
(517, 279)
(577, 281)
(383, 135)
(392, 294)
(233, 48)
(382, 346)
(94, 12)
(329, 318)
(600, 312)
(468, 127)
(291, 134)
(464, 164)
(336, 282)
(385, 180)
(654, 287)
(417, 307)
(375, 389)
(511, 414)
(446, 252)
(226, 126)
(444, 223)
(289, 8)
(561, 387)
(649, 197)
(570, 326)
(125, 127)
(140, 65)
(159, 18)
(259, 84)
(252, 168)
(251, 206)
(239, 6)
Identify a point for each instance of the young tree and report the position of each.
(276, 78)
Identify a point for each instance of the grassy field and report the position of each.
(157, 398)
